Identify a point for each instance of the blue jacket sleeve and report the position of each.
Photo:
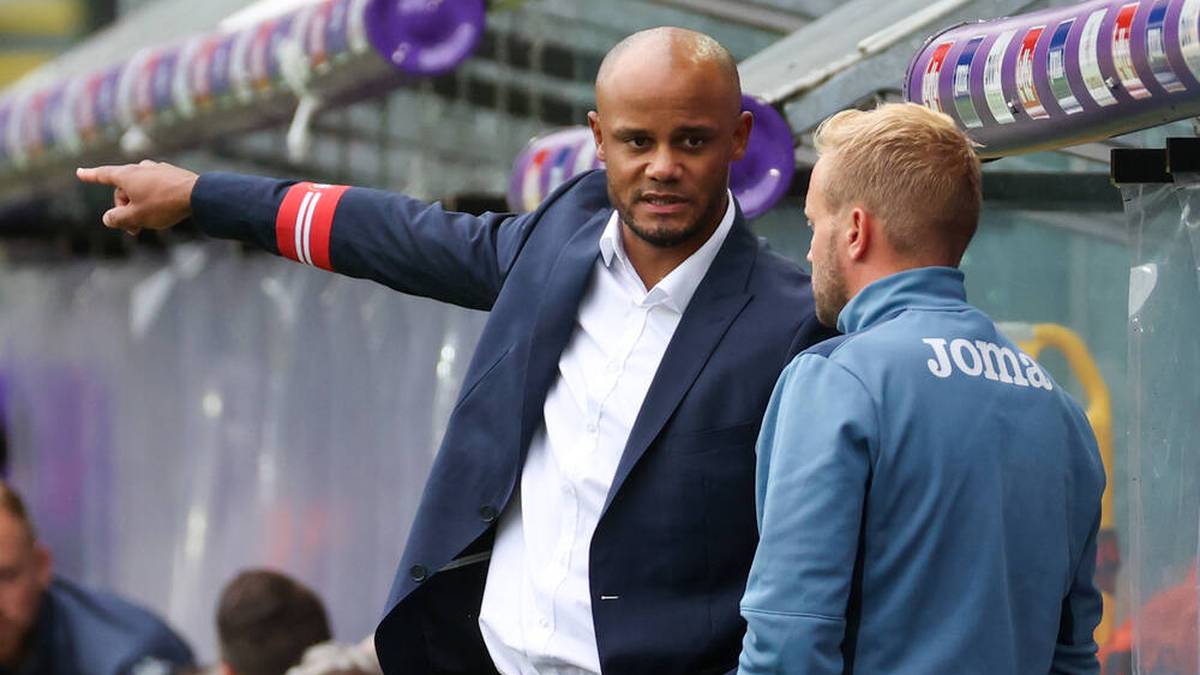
(815, 456)
(1075, 651)
(403, 243)
(1082, 606)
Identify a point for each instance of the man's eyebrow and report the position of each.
(697, 129)
(630, 131)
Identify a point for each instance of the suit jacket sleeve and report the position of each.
(403, 243)
(814, 463)
(811, 332)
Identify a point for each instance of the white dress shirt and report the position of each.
(536, 616)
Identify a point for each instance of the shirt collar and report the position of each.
(927, 287)
(677, 288)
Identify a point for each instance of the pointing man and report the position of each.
(591, 507)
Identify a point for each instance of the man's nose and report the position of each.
(664, 165)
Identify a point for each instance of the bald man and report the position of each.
(591, 508)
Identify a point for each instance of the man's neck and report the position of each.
(653, 263)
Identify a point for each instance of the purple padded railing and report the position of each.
(1065, 75)
(184, 93)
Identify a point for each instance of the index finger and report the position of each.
(103, 175)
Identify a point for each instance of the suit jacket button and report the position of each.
(418, 573)
(487, 514)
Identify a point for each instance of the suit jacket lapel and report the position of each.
(555, 322)
(718, 300)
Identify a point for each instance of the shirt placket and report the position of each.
(601, 384)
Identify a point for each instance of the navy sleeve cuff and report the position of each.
(233, 206)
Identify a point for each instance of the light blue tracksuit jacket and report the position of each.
(928, 500)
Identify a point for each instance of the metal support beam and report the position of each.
(853, 53)
(745, 13)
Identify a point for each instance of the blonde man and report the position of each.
(928, 497)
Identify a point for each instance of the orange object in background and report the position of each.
(1116, 656)
(1165, 631)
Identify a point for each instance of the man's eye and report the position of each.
(639, 142)
(693, 142)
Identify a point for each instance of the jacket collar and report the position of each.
(884, 298)
(719, 299)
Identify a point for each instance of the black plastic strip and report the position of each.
(1183, 155)
(1138, 165)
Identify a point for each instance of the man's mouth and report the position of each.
(662, 199)
(663, 203)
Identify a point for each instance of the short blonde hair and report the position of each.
(910, 166)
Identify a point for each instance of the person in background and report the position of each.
(266, 621)
(330, 658)
(928, 497)
(51, 626)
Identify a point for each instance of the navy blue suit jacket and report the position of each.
(677, 535)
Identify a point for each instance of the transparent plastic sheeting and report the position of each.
(173, 422)
(1164, 439)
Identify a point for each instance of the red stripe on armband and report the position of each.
(304, 222)
(285, 220)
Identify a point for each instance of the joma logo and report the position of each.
(992, 361)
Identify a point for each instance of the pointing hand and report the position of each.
(150, 195)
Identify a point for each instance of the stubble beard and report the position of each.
(666, 237)
(829, 291)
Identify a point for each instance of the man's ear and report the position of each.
(741, 134)
(597, 134)
(224, 669)
(859, 233)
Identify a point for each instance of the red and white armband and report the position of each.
(305, 220)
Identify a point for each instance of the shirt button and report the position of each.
(487, 513)
(418, 573)
(567, 489)
(613, 366)
(591, 428)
